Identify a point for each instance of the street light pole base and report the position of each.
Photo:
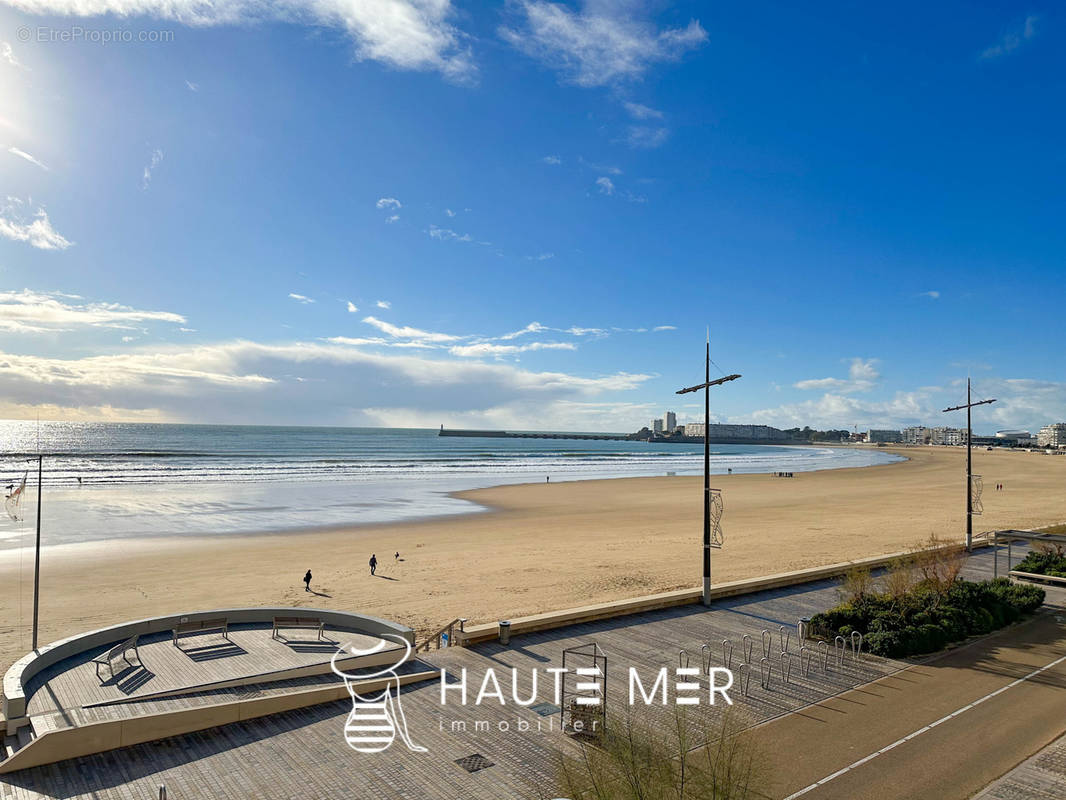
(706, 591)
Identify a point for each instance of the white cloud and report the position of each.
(533, 327)
(245, 381)
(481, 349)
(192, 87)
(407, 332)
(665, 328)
(24, 155)
(389, 202)
(445, 234)
(154, 161)
(448, 212)
(8, 55)
(27, 311)
(1012, 40)
(383, 304)
(933, 295)
(1021, 403)
(378, 341)
(352, 307)
(576, 331)
(391, 219)
(606, 185)
(554, 160)
(645, 137)
(638, 111)
(541, 257)
(37, 233)
(844, 411)
(862, 377)
(610, 169)
(599, 45)
(404, 34)
(299, 298)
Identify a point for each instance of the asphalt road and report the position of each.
(1014, 713)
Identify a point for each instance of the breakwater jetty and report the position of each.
(603, 437)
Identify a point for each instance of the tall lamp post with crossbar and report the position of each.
(968, 405)
(706, 386)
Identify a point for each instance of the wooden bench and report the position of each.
(202, 626)
(297, 623)
(119, 650)
(1035, 576)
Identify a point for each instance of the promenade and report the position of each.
(851, 709)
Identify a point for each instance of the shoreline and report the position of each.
(540, 548)
(480, 507)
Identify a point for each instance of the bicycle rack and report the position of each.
(786, 665)
(747, 645)
(840, 643)
(767, 642)
(682, 659)
(727, 653)
(705, 658)
(744, 678)
(786, 637)
(805, 663)
(766, 669)
(825, 663)
(857, 640)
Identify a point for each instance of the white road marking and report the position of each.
(920, 731)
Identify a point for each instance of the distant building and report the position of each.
(670, 421)
(657, 425)
(1053, 435)
(877, 436)
(1014, 437)
(858, 436)
(752, 433)
(918, 434)
(947, 436)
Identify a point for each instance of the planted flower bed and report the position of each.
(1044, 562)
(927, 617)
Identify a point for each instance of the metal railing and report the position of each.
(445, 634)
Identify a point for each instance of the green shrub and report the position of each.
(1048, 562)
(886, 643)
(928, 617)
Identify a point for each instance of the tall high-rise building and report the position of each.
(950, 436)
(669, 421)
(916, 435)
(1053, 435)
(657, 425)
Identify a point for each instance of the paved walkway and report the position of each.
(1042, 777)
(846, 712)
(943, 729)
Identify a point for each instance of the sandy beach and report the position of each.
(542, 547)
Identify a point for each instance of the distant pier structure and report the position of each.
(605, 437)
(720, 434)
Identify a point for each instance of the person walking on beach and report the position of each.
(373, 563)
(307, 581)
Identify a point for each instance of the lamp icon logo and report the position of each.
(376, 718)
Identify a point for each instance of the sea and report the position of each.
(119, 480)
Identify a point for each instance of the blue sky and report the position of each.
(535, 210)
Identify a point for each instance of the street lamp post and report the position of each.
(968, 405)
(706, 386)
